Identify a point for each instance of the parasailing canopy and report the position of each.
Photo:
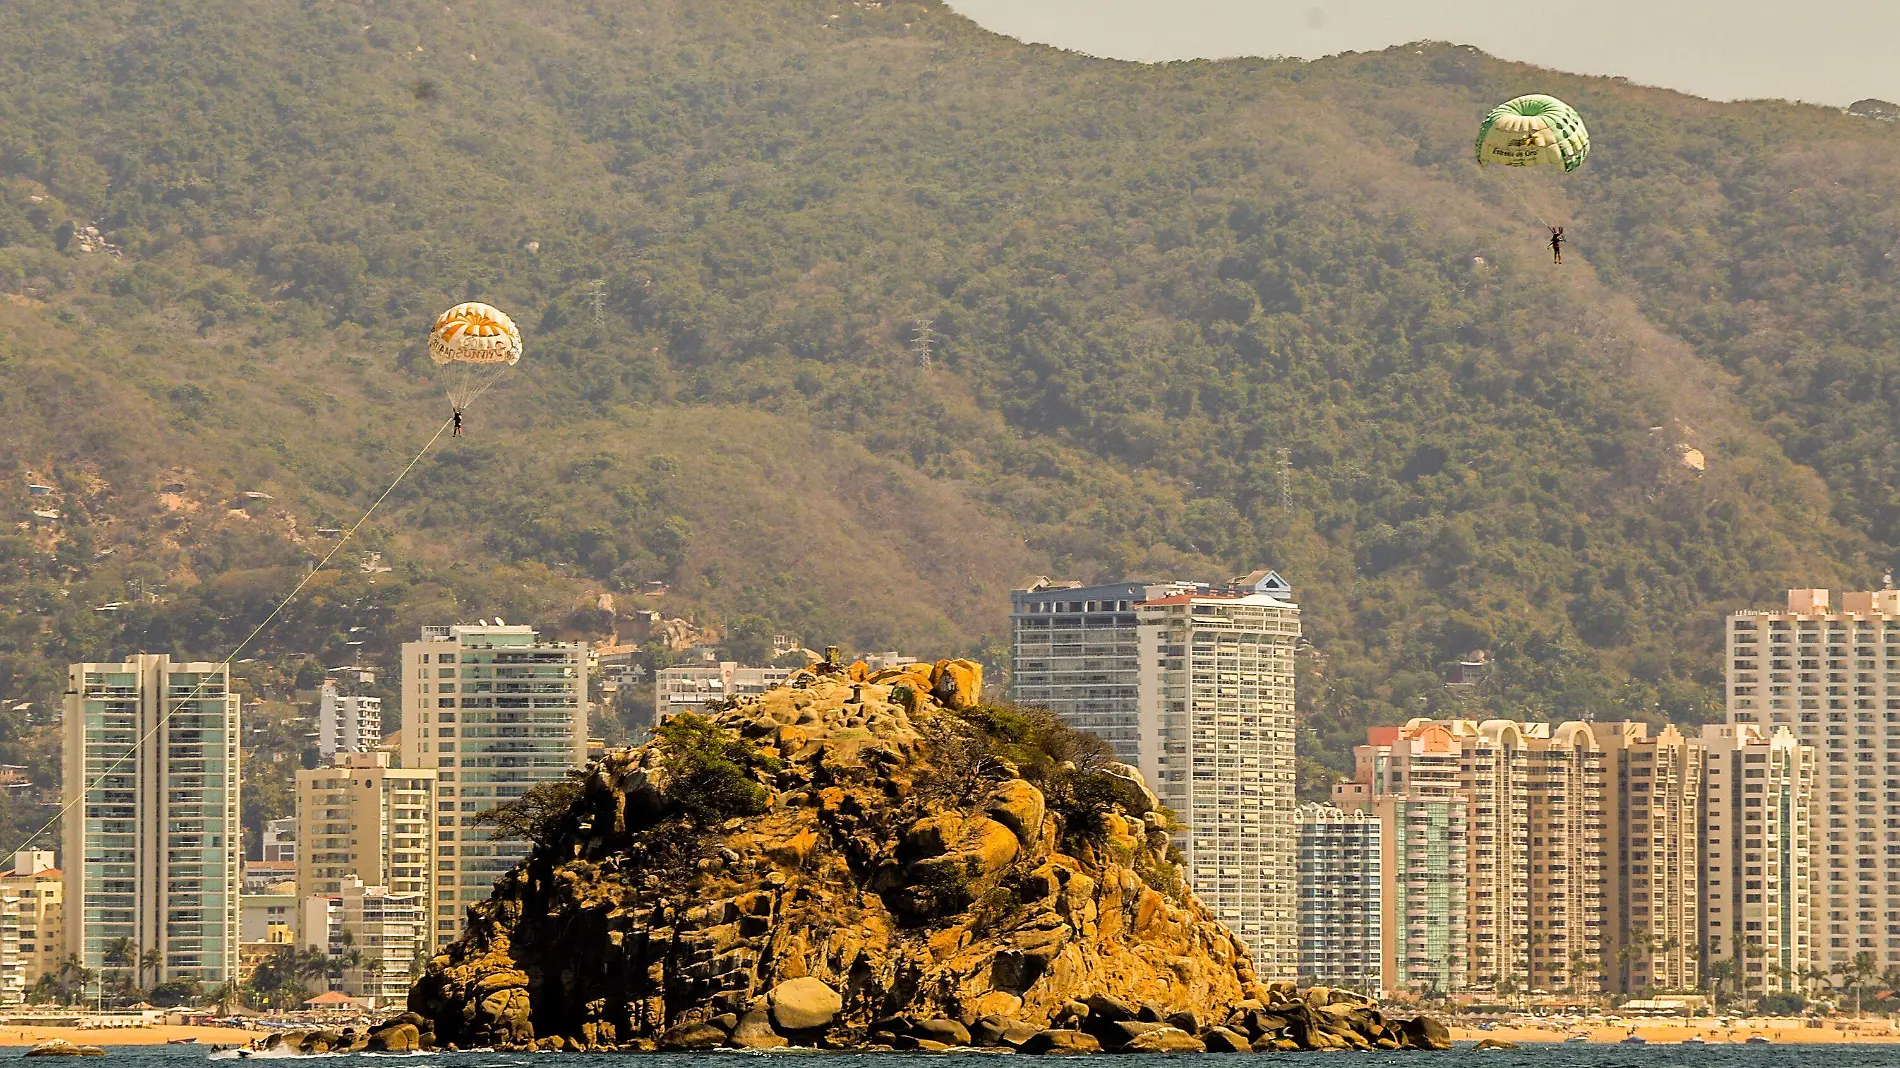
(474, 344)
(1533, 131)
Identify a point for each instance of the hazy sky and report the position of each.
(1823, 51)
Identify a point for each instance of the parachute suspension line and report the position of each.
(486, 383)
(175, 704)
(470, 381)
(1512, 182)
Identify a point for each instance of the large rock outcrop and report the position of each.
(850, 859)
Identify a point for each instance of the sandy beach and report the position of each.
(124, 1036)
(1667, 1032)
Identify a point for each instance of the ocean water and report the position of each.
(1541, 1056)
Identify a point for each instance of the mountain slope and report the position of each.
(721, 225)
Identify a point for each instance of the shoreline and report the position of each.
(1662, 1033)
(19, 1036)
(1673, 1032)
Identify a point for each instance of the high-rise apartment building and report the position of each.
(152, 839)
(39, 888)
(1341, 905)
(1757, 870)
(1193, 684)
(1831, 675)
(1073, 651)
(1487, 767)
(1652, 929)
(493, 710)
(362, 819)
(1567, 786)
(1408, 780)
(1216, 683)
(1536, 851)
(347, 722)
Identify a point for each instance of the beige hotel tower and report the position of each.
(492, 709)
(1830, 674)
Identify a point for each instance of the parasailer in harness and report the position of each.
(1557, 240)
(458, 424)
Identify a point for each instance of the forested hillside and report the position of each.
(720, 226)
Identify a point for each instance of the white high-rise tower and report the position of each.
(1192, 683)
(152, 847)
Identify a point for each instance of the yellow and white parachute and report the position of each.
(474, 344)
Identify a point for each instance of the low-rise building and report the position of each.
(279, 844)
(267, 922)
(690, 687)
(260, 876)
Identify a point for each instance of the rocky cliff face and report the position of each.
(847, 860)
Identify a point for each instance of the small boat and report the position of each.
(1695, 1040)
(187, 1041)
(1756, 1040)
(1634, 1039)
(1574, 1039)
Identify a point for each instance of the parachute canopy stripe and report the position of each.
(474, 333)
(1533, 131)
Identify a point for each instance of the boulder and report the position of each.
(898, 866)
(59, 1047)
(804, 1003)
(1053, 1041)
(957, 684)
(754, 1030)
(941, 1029)
(1495, 1043)
(1164, 1039)
(692, 1036)
(395, 1038)
(1018, 806)
(1122, 1032)
(1221, 1040)
(1109, 1009)
(1426, 1032)
(1001, 1031)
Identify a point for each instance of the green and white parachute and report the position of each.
(1533, 131)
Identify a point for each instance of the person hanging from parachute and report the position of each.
(1534, 131)
(474, 344)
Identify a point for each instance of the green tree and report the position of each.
(748, 640)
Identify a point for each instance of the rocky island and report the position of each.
(863, 860)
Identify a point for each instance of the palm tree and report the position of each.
(152, 960)
(227, 994)
(1862, 968)
(122, 953)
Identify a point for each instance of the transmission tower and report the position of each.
(921, 340)
(599, 300)
(1286, 481)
